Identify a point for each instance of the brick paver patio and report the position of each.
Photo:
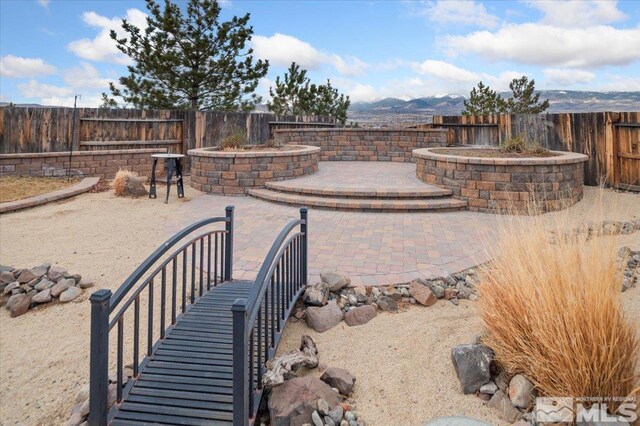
(371, 248)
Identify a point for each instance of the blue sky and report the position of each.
(53, 49)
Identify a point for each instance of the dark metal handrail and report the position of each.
(258, 321)
(103, 303)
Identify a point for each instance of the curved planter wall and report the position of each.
(231, 173)
(506, 184)
(364, 144)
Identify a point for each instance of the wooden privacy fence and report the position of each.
(52, 129)
(610, 139)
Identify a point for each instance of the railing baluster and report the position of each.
(120, 362)
(184, 280)
(304, 229)
(150, 320)
(215, 261)
(251, 361)
(259, 357)
(136, 335)
(174, 280)
(193, 272)
(201, 266)
(228, 258)
(222, 252)
(208, 262)
(163, 301)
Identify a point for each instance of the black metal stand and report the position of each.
(172, 165)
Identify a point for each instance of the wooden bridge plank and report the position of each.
(138, 418)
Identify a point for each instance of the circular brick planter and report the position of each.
(506, 184)
(232, 173)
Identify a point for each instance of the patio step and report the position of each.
(298, 187)
(360, 204)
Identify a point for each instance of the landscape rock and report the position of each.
(44, 284)
(56, 272)
(75, 420)
(20, 306)
(450, 293)
(85, 283)
(62, 285)
(42, 297)
(521, 391)
(506, 410)
(360, 315)
(489, 388)
(334, 280)
(40, 270)
(323, 407)
(13, 299)
(316, 419)
(26, 276)
(294, 401)
(387, 304)
(336, 414)
(5, 268)
(324, 318)
(316, 294)
(340, 379)
(83, 393)
(422, 294)
(472, 364)
(6, 277)
(10, 287)
(70, 294)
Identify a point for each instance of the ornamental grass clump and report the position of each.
(128, 184)
(519, 144)
(551, 305)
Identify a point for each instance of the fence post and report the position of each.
(228, 247)
(304, 229)
(240, 374)
(99, 358)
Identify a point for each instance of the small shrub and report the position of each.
(128, 184)
(552, 310)
(519, 144)
(235, 140)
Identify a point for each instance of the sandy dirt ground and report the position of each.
(401, 361)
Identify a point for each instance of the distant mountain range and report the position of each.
(559, 100)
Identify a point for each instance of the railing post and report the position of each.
(228, 247)
(99, 358)
(304, 229)
(240, 373)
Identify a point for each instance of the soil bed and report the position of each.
(14, 188)
(489, 153)
(262, 148)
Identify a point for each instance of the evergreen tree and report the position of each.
(297, 96)
(484, 101)
(292, 95)
(188, 59)
(524, 101)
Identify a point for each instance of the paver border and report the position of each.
(83, 186)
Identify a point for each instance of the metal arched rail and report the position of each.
(182, 280)
(258, 320)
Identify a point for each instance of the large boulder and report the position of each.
(360, 315)
(340, 379)
(316, 294)
(293, 402)
(324, 318)
(422, 294)
(472, 364)
(334, 280)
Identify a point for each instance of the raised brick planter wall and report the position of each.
(364, 144)
(232, 173)
(506, 184)
(104, 164)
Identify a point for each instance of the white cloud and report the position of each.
(446, 71)
(542, 44)
(391, 64)
(621, 83)
(34, 89)
(102, 48)
(19, 67)
(578, 13)
(85, 76)
(460, 12)
(567, 77)
(44, 3)
(282, 49)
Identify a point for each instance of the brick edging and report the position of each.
(84, 185)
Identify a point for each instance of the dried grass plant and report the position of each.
(128, 184)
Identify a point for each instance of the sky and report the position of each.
(51, 50)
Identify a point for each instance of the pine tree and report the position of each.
(295, 95)
(188, 59)
(484, 101)
(292, 95)
(524, 101)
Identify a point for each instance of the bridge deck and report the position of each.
(188, 379)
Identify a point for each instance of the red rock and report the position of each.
(450, 293)
(422, 294)
(360, 315)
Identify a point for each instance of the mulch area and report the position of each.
(14, 188)
(488, 153)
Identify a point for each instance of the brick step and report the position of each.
(360, 204)
(345, 191)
